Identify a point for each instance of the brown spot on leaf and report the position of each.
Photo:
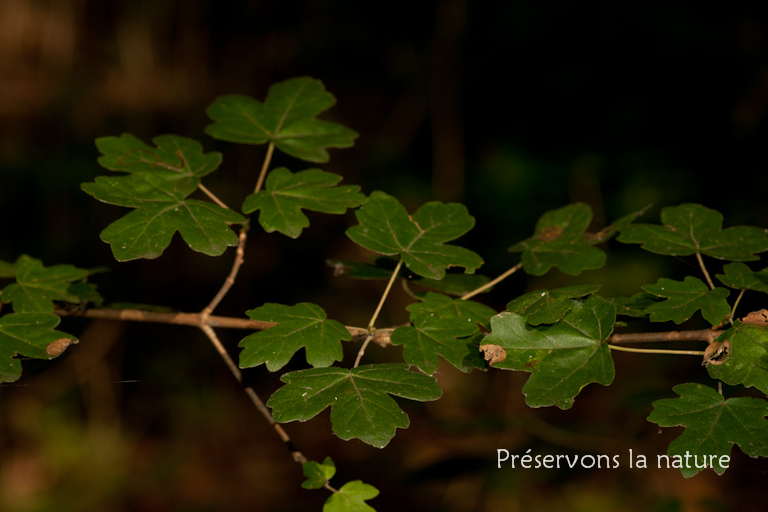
(756, 318)
(493, 353)
(716, 353)
(551, 233)
(57, 347)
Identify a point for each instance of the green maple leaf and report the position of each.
(443, 327)
(549, 306)
(157, 186)
(559, 240)
(351, 498)
(635, 306)
(174, 158)
(685, 298)
(562, 357)
(30, 335)
(747, 361)
(303, 325)
(738, 275)
(318, 474)
(287, 194)
(420, 240)
(36, 286)
(286, 118)
(692, 228)
(712, 425)
(359, 399)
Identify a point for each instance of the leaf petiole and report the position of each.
(704, 270)
(492, 282)
(376, 313)
(264, 167)
(656, 351)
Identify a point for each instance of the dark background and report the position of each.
(513, 108)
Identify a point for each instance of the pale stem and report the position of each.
(211, 334)
(264, 167)
(704, 270)
(230, 280)
(376, 313)
(735, 304)
(657, 351)
(212, 196)
(707, 335)
(493, 282)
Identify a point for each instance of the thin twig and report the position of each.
(384, 296)
(704, 270)
(657, 351)
(380, 336)
(707, 335)
(376, 313)
(493, 282)
(264, 167)
(295, 453)
(213, 196)
(239, 258)
(735, 305)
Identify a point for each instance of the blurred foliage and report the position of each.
(513, 108)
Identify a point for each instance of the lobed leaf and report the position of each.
(685, 298)
(286, 118)
(443, 327)
(359, 399)
(747, 361)
(549, 306)
(563, 357)
(420, 240)
(712, 425)
(738, 275)
(36, 286)
(287, 194)
(450, 339)
(351, 498)
(318, 474)
(174, 158)
(303, 325)
(157, 187)
(559, 240)
(692, 228)
(635, 306)
(30, 335)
